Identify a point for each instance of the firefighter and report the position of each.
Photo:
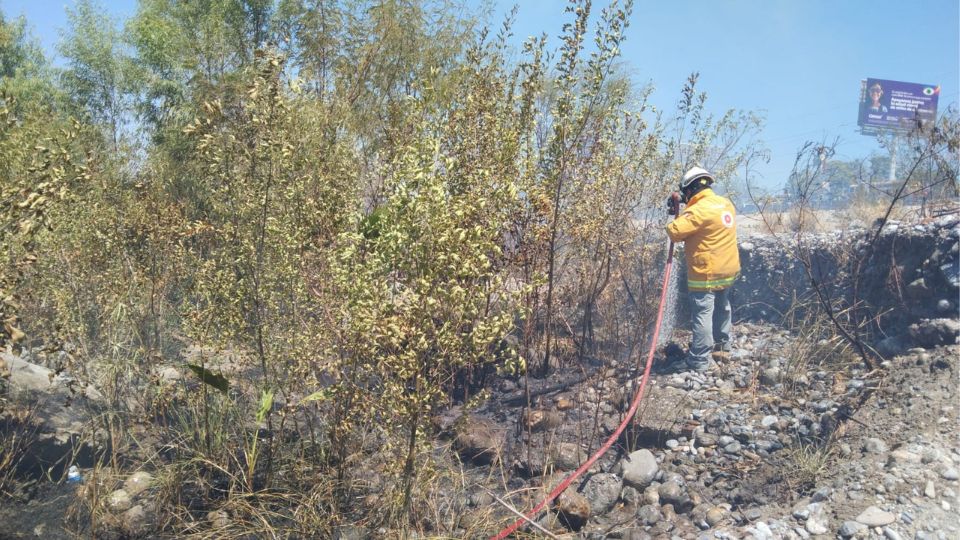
(708, 228)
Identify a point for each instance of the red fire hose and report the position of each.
(626, 419)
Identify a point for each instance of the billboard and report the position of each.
(896, 106)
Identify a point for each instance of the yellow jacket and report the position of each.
(708, 228)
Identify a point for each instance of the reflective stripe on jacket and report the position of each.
(708, 228)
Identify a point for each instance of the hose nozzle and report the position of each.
(673, 203)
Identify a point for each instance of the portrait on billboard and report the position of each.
(873, 101)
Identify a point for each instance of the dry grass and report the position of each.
(815, 345)
(860, 213)
(806, 464)
(865, 213)
(780, 223)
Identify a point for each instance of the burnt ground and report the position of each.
(41, 514)
(792, 436)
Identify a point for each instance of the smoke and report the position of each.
(671, 308)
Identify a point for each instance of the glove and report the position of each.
(673, 204)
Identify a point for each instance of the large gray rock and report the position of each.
(715, 515)
(902, 457)
(603, 491)
(137, 483)
(567, 456)
(29, 377)
(761, 531)
(119, 501)
(651, 495)
(930, 333)
(891, 534)
(875, 517)
(63, 407)
(818, 522)
(639, 468)
(649, 514)
(672, 493)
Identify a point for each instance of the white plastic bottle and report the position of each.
(73, 475)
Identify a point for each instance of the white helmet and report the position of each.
(694, 176)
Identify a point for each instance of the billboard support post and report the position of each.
(892, 176)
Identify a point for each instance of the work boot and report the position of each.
(699, 365)
(671, 367)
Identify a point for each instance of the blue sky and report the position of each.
(798, 62)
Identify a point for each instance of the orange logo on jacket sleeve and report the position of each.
(727, 219)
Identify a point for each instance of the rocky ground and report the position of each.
(791, 436)
(762, 447)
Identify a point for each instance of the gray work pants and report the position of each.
(710, 320)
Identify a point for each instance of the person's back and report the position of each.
(708, 229)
